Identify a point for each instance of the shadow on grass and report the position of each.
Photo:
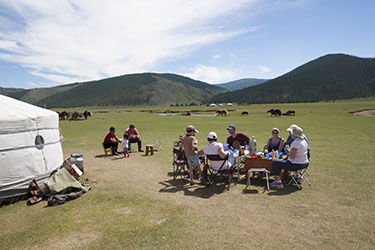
(180, 185)
(284, 191)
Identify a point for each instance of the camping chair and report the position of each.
(293, 175)
(158, 143)
(179, 163)
(107, 150)
(224, 172)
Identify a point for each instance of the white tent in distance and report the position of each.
(30, 145)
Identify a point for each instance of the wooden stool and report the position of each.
(149, 149)
(107, 150)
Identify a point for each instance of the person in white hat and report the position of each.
(297, 156)
(216, 148)
(275, 142)
(190, 146)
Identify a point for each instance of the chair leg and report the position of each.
(293, 176)
(268, 183)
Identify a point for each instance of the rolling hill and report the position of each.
(126, 90)
(330, 77)
(242, 83)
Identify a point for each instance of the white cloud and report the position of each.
(215, 57)
(264, 69)
(211, 74)
(67, 41)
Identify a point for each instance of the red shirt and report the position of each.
(108, 137)
(241, 138)
(130, 132)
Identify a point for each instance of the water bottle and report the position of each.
(246, 150)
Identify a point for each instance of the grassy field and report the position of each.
(134, 204)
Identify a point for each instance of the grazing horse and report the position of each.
(245, 113)
(275, 112)
(63, 115)
(222, 112)
(291, 112)
(86, 114)
(76, 116)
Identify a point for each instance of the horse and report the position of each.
(291, 112)
(76, 116)
(275, 112)
(245, 113)
(222, 112)
(86, 114)
(63, 115)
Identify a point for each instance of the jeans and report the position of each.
(277, 165)
(111, 145)
(138, 141)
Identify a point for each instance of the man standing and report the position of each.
(111, 141)
(190, 146)
(236, 139)
(132, 132)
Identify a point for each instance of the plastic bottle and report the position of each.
(273, 154)
(246, 152)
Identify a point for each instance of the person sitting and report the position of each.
(289, 140)
(275, 142)
(190, 146)
(216, 148)
(133, 135)
(297, 157)
(236, 139)
(111, 141)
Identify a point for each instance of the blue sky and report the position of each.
(47, 43)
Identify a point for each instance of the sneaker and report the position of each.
(299, 179)
(141, 150)
(115, 153)
(277, 184)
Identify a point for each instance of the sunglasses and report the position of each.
(275, 133)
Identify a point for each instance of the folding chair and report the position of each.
(293, 175)
(107, 150)
(215, 173)
(179, 164)
(158, 143)
(258, 170)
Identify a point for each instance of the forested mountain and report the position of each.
(331, 77)
(126, 90)
(242, 83)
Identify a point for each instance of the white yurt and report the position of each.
(30, 145)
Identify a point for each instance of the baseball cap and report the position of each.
(212, 136)
(231, 126)
(191, 128)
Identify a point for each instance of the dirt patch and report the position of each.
(364, 112)
(73, 241)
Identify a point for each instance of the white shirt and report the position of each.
(302, 147)
(125, 143)
(213, 149)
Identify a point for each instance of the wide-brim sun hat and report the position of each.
(212, 136)
(276, 129)
(297, 132)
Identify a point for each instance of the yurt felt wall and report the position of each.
(30, 145)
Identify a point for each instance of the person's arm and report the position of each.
(222, 153)
(292, 153)
(136, 134)
(281, 146)
(201, 152)
(268, 143)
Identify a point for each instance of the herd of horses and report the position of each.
(74, 116)
(274, 112)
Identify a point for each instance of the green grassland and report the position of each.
(134, 204)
